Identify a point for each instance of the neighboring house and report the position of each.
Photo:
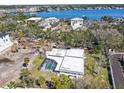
(65, 61)
(45, 24)
(49, 23)
(5, 41)
(76, 23)
(66, 28)
(34, 19)
(52, 19)
(33, 9)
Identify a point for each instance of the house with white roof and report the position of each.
(76, 23)
(34, 19)
(65, 61)
(48, 23)
(52, 19)
(5, 41)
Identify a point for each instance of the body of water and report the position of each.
(91, 14)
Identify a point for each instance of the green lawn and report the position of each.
(36, 64)
(95, 72)
(36, 72)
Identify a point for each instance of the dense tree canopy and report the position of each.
(62, 82)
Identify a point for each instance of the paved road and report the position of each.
(116, 71)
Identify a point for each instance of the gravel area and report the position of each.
(9, 71)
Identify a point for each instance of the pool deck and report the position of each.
(69, 61)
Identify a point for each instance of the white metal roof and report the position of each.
(51, 18)
(34, 19)
(57, 52)
(81, 19)
(58, 61)
(72, 65)
(75, 53)
(69, 61)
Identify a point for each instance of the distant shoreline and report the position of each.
(47, 8)
(91, 14)
(88, 14)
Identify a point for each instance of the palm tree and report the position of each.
(107, 18)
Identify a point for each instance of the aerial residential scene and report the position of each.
(62, 46)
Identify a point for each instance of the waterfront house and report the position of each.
(76, 23)
(5, 41)
(49, 23)
(52, 19)
(65, 61)
(34, 19)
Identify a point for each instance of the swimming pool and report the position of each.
(48, 64)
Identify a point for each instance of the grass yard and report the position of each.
(95, 72)
(36, 72)
(36, 64)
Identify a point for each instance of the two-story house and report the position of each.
(5, 41)
(76, 23)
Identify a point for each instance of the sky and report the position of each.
(43, 2)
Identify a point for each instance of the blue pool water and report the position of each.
(91, 14)
(49, 64)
